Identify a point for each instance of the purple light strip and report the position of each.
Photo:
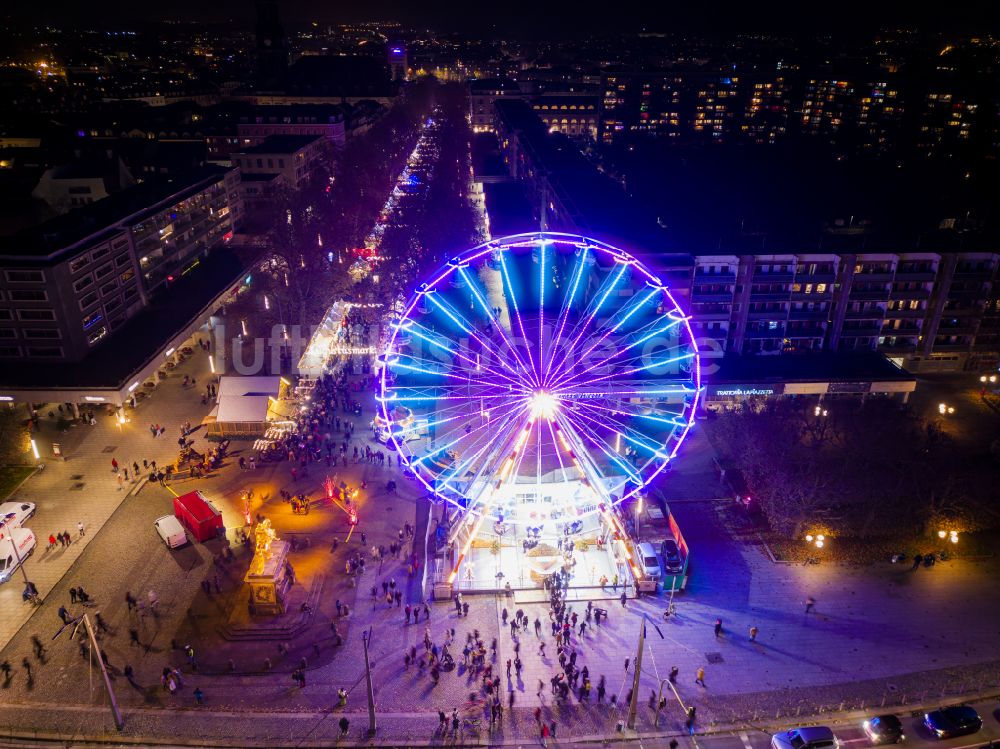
(489, 312)
(517, 314)
(567, 306)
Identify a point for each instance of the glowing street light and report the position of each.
(819, 540)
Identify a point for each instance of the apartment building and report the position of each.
(933, 307)
(288, 160)
(72, 282)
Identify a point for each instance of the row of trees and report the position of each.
(330, 214)
(864, 469)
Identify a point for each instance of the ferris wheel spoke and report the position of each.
(420, 331)
(448, 445)
(596, 304)
(466, 327)
(570, 374)
(503, 428)
(609, 420)
(488, 311)
(541, 306)
(611, 454)
(555, 446)
(505, 274)
(582, 458)
(666, 362)
(567, 306)
(631, 307)
(666, 418)
(649, 446)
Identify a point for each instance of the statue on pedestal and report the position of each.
(270, 575)
(264, 535)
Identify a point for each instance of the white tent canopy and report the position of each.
(243, 405)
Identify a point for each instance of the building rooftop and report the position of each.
(128, 349)
(824, 366)
(508, 209)
(95, 222)
(284, 144)
(490, 85)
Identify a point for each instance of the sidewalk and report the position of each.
(83, 488)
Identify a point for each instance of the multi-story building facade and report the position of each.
(575, 115)
(932, 307)
(294, 157)
(72, 282)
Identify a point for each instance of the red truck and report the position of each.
(199, 516)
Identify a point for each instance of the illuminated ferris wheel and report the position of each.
(539, 377)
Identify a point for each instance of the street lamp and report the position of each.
(819, 540)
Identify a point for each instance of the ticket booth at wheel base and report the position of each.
(199, 516)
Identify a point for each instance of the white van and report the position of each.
(15, 514)
(171, 531)
(9, 561)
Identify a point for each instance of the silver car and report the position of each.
(807, 737)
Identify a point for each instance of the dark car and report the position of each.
(671, 556)
(884, 729)
(948, 722)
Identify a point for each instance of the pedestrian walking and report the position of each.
(26, 664)
(700, 676)
(753, 634)
(624, 598)
(718, 627)
(628, 661)
(345, 725)
(130, 600)
(80, 529)
(121, 483)
(810, 602)
(133, 637)
(199, 696)
(63, 614)
(114, 465)
(72, 595)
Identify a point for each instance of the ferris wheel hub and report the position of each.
(544, 405)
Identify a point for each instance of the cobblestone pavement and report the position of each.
(876, 634)
(83, 488)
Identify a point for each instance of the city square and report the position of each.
(388, 400)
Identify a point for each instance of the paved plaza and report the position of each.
(881, 633)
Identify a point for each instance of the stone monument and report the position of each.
(269, 574)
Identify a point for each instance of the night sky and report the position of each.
(551, 17)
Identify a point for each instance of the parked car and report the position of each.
(171, 531)
(14, 514)
(949, 722)
(884, 729)
(647, 559)
(807, 737)
(671, 556)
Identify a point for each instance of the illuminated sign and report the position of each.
(746, 391)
